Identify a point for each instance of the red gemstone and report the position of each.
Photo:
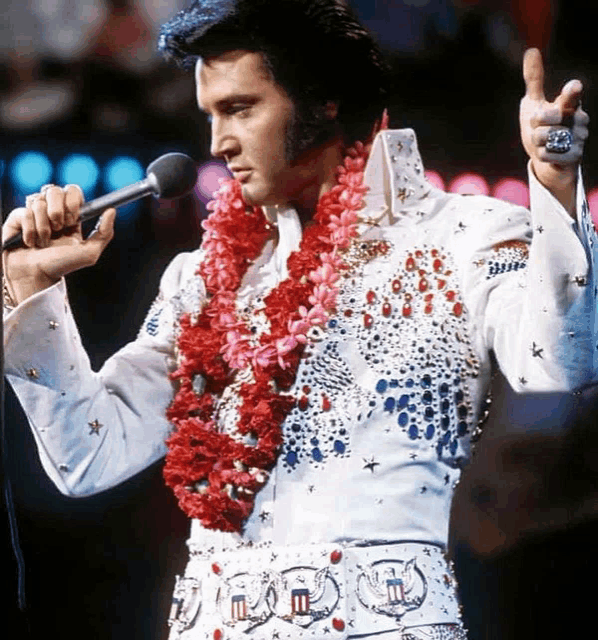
(419, 253)
(306, 388)
(428, 297)
(217, 634)
(406, 310)
(410, 264)
(434, 252)
(368, 321)
(396, 286)
(216, 568)
(348, 313)
(423, 285)
(441, 283)
(326, 403)
(437, 265)
(335, 556)
(428, 308)
(408, 297)
(338, 624)
(370, 296)
(457, 309)
(386, 309)
(303, 403)
(450, 295)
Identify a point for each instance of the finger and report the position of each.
(101, 235)
(570, 97)
(547, 116)
(42, 232)
(55, 207)
(533, 74)
(74, 198)
(14, 223)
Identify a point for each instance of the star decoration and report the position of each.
(326, 630)
(370, 464)
(32, 373)
(536, 351)
(264, 515)
(275, 635)
(53, 325)
(95, 425)
(580, 281)
(402, 194)
(522, 380)
(423, 489)
(461, 227)
(427, 551)
(447, 479)
(413, 456)
(539, 228)
(311, 488)
(63, 467)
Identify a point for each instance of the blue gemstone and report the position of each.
(403, 400)
(394, 383)
(446, 437)
(453, 447)
(445, 422)
(314, 442)
(389, 404)
(403, 419)
(291, 458)
(443, 389)
(444, 405)
(427, 397)
(459, 396)
(426, 381)
(430, 431)
(462, 428)
(462, 410)
(339, 446)
(413, 432)
(409, 382)
(429, 413)
(333, 323)
(381, 386)
(316, 454)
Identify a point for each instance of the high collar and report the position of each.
(395, 176)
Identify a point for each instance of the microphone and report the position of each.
(170, 176)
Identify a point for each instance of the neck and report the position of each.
(325, 159)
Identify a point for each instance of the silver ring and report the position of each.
(45, 188)
(559, 141)
(32, 199)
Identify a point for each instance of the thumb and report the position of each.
(569, 98)
(99, 238)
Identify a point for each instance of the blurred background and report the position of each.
(84, 98)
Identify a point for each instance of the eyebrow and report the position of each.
(223, 103)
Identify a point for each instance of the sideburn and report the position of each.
(309, 127)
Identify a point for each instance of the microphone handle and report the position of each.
(94, 208)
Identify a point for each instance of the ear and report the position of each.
(331, 110)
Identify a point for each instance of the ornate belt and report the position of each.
(318, 591)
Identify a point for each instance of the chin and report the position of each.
(255, 197)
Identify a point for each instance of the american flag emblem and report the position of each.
(396, 590)
(238, 607)
(300, 600)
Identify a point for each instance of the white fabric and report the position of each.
(374, 451)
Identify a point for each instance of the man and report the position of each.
(330, 344)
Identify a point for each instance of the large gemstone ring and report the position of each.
(559, 141)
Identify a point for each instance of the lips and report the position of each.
(240, 173)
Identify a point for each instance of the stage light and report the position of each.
(593, 204)
(122, 171)
(79, 169)
(29, 171)
(512, 190)
(435, 179)
(469, 184)
(208, 179)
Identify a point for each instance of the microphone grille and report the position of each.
(176, 174)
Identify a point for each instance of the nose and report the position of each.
(224, 143)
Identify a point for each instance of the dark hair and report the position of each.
(317, 50)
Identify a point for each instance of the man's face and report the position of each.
(251, 119)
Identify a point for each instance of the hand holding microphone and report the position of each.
(46, 234)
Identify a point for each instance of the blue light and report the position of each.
(79, 169)
(122, 171)
(30, 170)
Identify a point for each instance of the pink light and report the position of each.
(593, 203)
(471, 184)
(512, 190)
(435, 179)
(208, 179)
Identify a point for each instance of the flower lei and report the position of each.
(215, 475)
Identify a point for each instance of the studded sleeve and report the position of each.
(95, 429)
(530, 284)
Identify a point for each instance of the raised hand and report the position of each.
(553, 133)
(54, 244)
